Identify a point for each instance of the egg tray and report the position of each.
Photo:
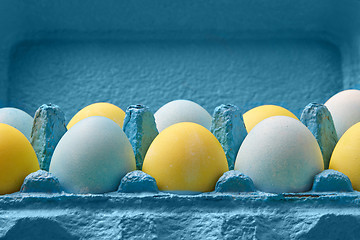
(138, 210)
(243, 52)
(164, 216)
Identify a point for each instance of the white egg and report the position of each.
(17, 119)
(92, 157)
(280, 155)
(345, 110)
(181, 111)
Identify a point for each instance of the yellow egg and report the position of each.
(99, 109)
(256, 115)
(185, 157)
(17, 159)
(346, 155)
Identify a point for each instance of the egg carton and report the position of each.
(242, 52)
(138, 210)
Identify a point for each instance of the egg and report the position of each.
(17, 159)
(346, 155)
(92, 156)
(181, 111)
(185, 158)
(99, 109)
(345, 110)
(18, 119)
(256, 115)
(280, 155)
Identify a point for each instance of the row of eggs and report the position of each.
(280, 154)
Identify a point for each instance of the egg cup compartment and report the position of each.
(242, 52)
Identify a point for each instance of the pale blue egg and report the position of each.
(181, 111)
(345, 110)
(92, 157)
(17, 119)
(280, 155)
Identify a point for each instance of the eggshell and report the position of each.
(99, 109)
(256, 115)
(185, 158)
(345, 110)
(18, 119)
(346, 155)
(92, 156)
(181, 111)
(17, 159)
(280, 155)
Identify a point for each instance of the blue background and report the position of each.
(244, 52)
